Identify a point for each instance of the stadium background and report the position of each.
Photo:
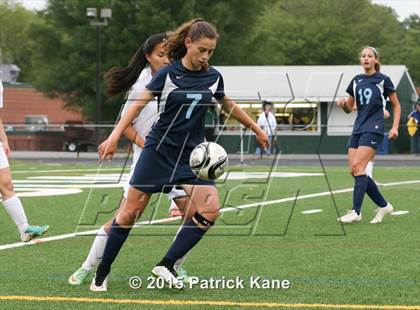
(300, 55)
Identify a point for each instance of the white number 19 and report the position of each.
(367, 93)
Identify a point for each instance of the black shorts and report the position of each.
(158, 170)
(373, 140)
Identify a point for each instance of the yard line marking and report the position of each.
(100, 178)
(37, 186)
(65, 170)
(397, 213)
(399, 183)
(313, 211)
(84, 185)
(173, 219)
(220, 303)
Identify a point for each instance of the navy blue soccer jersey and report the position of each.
(183, 98)
(370, 93)
(415, 114)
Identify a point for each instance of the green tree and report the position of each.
(409, 49)
(265, 32)
(65, 54)
(16, 43)
(322, 32)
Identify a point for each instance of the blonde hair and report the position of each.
(194, 29)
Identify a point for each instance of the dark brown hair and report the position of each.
(120, 79)
(194, 29)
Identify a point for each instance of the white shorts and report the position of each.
(127, 183)
(176, 193)
(4, 163)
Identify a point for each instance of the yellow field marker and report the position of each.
(216, 303)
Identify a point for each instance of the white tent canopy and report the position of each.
(284, 83)
(303, 83)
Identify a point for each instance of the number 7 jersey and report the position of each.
(183, 98)
(370, 93)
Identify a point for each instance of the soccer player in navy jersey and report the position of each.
(185, 89)
(369, 91)
(145, 63)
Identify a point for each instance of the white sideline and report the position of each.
(67, 170)
(172, 219)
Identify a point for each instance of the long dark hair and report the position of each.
(194, 29)
(120, 79)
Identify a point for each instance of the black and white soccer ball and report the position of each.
(208, 160)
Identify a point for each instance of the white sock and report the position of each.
(14, 207)
(172, 205)
(181, 260)
(97, 250)
(369, 169)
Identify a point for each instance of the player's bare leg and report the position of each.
(14, 208)
(121, 226)
(357, 161)
(95, 252)
(204, 200)
(187, 210)
(98, 246)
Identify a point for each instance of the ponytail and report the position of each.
(194, 29)
(120, 79)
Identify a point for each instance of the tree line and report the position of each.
(55, 48)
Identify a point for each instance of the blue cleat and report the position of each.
(32, 232)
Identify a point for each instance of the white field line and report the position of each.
(172, 219)
(67, 170)
(84, 185)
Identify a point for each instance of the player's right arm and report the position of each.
(108, 148)
(131, 134)
(347, 104)
(3, 137)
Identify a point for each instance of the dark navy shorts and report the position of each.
(158, 170)
(373, 140)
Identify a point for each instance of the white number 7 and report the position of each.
(197, 98)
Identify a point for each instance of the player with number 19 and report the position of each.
(369, 91)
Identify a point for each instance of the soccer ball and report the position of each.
(208, 160)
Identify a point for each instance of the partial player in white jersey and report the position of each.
(148, 59)
(11, 202)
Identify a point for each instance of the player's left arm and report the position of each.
(233, 109)
(396, 107)
(3, 139)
